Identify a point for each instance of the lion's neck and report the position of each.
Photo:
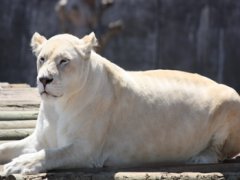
(118, 77)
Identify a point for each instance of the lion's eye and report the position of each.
(42, 60)
(64, 62)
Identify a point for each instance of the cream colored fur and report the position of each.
(94, 114)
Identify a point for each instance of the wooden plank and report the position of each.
(4, 84)
(18, 115)
(19, 103)
(14, 134)
(18, 97)
(15, 94)
(20, 86)
(7, 85)
(18, 106)
(20, 94)
(18, 124)
(170, 176)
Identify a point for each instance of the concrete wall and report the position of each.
(197, 36)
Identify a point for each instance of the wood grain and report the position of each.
(14, 134)
(18, 115)
(18, 124)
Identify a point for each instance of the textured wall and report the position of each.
(198, 36)
(19, 19)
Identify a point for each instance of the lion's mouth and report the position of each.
(48, 94)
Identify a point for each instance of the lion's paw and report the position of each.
(25, 164)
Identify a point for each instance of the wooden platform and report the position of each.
(19, 104)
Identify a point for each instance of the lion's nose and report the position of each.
(45, 80)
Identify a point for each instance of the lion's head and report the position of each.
(62, 63)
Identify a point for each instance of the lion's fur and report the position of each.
(98, 114)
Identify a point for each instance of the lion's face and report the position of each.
(62, 63)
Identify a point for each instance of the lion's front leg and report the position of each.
(10, 150)
(47, 159)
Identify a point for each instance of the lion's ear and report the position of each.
(89, 42)
(36, 43)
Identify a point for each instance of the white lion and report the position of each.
(94, 114)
